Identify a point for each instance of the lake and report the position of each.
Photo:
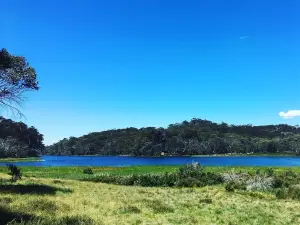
(171, 160)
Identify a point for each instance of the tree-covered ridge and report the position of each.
(187, 138)
(19, 140)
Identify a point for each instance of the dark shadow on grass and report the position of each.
(39, 189)
(7, 216)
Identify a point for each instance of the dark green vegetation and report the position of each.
(15, 172)
(17, 77)
(191, 175)
(17, 140)
(197, 137)
(284, 183)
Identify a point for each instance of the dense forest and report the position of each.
(187, 138)
(19, 140)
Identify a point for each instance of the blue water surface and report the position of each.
(171, 160)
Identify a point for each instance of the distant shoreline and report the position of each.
(210, 155)
(38, 159)
(29, 159)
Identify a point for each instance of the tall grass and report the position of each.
(98, 203)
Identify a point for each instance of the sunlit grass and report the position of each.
(77, 172)
(97, 203)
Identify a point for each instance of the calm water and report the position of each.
(129, 161)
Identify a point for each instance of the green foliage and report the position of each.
(15, 172)
(196, 137)
(230, 187)
(292, 192)
(269, 172)
(286, 179)
(88, 171)
(17, 140)
(16, 77)
(188, 176)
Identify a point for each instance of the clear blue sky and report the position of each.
(114, 64)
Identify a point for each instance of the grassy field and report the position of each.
(75, 173)
(52, 195)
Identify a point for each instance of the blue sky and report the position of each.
(114, 64)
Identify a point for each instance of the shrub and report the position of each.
(191, 170)
(88, 171)
(270, 172)
(231, 186)
(187, 176)
(286, 179)
(15, 172)
(281, 193)
(294, 192)
(188, 182)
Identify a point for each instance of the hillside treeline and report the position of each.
(19, 140)
(187, 138)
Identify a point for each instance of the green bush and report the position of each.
(281, 193)
(286, 179)
(15, 172)
(88, 171)
(232, 186)
(270, 172)
(292, 192)
(187, 176)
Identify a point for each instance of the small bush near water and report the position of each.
(191, 175)
(15, 172)
(88, 171)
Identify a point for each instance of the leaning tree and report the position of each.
(16, 77)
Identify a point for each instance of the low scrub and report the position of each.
(292, 192)
(191, 175)
(232, 186)
(88, 171)
(15, 172)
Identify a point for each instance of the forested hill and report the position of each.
(19, 140)
(186, 138)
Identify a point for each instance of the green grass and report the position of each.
(54, 195)
(75, 173)
(29, 159)
(97, 203)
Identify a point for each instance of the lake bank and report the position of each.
(29, 159)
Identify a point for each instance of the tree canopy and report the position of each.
(19, 140)
(16, 77)
(187, 138)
